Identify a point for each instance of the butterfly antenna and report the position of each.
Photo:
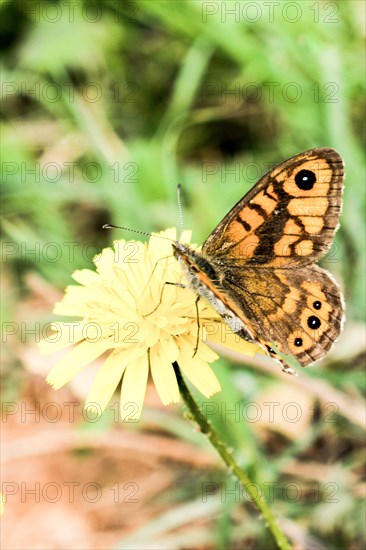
(112, 226)
(180, 211)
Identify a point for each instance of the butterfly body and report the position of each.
(257, 268)
(207, 282)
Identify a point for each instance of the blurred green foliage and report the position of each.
(111, 104)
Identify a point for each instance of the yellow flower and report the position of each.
(142, 323)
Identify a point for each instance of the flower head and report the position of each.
(131, 312)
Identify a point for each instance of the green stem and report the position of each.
(230, 461)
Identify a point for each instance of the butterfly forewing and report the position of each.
(289, 217)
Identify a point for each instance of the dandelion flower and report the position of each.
(141, 323)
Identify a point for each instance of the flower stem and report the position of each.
(230, 461)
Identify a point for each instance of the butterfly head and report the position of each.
(193, 261)
(187, 257)
(179, 248)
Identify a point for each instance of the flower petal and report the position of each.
(160, 247)
(104, 262)
(170, 347)
(199, 372)
(186, 236)
(77, 299)
(66, 334)
(163, 375)
(133, 389)
(106, 381)
(86, 277)
(222, 336)
(73, 361)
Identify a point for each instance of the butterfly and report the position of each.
(257, 268)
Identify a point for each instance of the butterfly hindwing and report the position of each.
(301, 311)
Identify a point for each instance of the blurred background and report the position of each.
(106, 106)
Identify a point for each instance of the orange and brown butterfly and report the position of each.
(257, 268)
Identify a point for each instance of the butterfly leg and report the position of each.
(271, 352)
(198, 326)
(161, 295)
(287, 369)
(180, 285)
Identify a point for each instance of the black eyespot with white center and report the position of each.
(317, 304)
(305, 180)
(313, 322)
(298, 342)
